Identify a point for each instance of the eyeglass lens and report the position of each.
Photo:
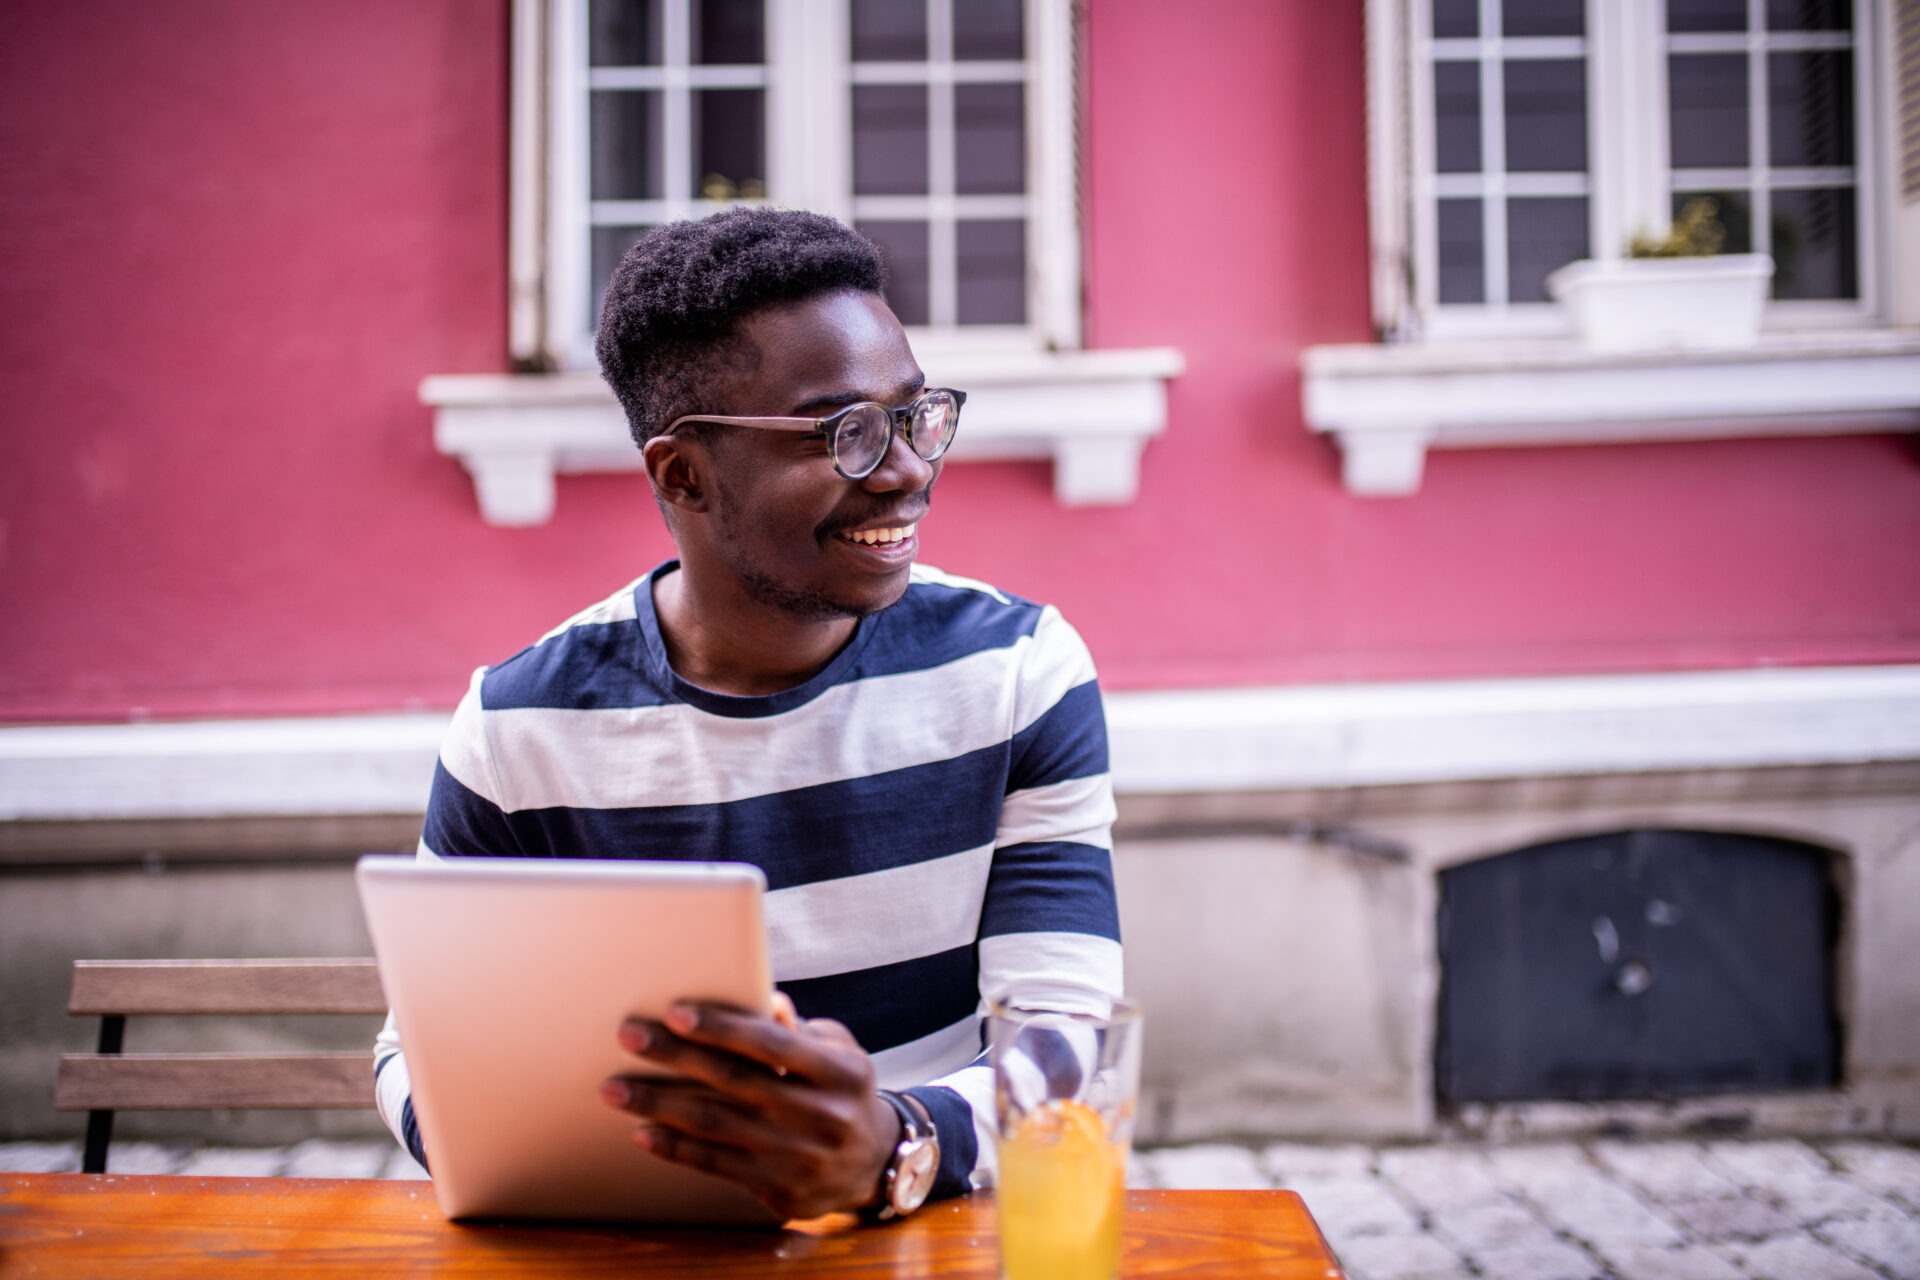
(861, 438)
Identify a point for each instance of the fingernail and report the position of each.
(643, 1137)
(682, 1017)
(616, 1093)
(635, 1037)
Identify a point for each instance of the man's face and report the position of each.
(797, 534)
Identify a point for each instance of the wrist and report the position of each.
(888, 1132)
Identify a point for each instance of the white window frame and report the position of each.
(808, 77)
(1487, 377)
(1033, 392)
(1629, 184)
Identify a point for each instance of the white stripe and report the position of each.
(618, 607)
(883, 917)
(941, 578)
(463, 753)
(1057, 663)
(1078, 809)
(629, 757)
(1077, 972)
(394, 1086)
(931, 1056)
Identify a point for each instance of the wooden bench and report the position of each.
(114, 990)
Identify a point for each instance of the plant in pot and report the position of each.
(1679, 292)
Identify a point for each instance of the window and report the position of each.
(1530, 133)
(942, 129)
(1508, 137)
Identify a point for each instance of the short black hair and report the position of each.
(673, 307)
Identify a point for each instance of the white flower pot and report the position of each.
(1654, 304)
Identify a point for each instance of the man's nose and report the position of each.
(901, 470)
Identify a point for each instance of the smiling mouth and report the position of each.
(878, 537)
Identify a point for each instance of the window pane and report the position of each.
(987, 29)
(1707, 95)
(1456, 111)
(627, 161)
(889, 139)
(1546, 116)
(1706, 15)
(1814, 246)
(624, 33)
(889, 30)
(1810, 15)
(610, 244)
(1734, 209)
(729, 31)
(903, 248)
(730, 143)
(1543, 17)
(993, 271)
(1454, 19)
(1810, 108)
(1463, 252)
(1543, 235)
(989, 139)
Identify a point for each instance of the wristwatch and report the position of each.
(911, 1168)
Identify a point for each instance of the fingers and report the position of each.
(722, 1046)
(691, 1109)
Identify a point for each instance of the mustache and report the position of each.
(910, 511)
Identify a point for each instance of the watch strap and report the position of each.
(913, 1132)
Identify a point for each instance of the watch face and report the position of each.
(915, 1179)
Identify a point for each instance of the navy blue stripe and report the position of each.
(959, 1148)
(797, 837)
(381, 1065)
(463, 824)
(410, 1130)
(584, 668)
(1069, 741)
(1058, 887)
(594, 666)
(893, 1004)
(933, 625)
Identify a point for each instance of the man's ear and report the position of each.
(677, 465)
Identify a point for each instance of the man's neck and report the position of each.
(728, 642)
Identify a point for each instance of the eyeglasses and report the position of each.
(859, 435)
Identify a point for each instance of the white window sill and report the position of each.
(1387, 405)
(1091, 412)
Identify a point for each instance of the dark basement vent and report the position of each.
(1639, 964)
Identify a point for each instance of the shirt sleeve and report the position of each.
(462, 821)
(1050, 924)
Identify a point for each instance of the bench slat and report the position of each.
(212, 1081)
(226, 987)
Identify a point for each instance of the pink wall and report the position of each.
(237, 241)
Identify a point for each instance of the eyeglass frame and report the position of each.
(829, 427)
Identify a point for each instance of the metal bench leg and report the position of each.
(113, 1029)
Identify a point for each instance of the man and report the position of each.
(917, 762)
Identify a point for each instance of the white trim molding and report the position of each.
(1386, 405)
(1090, 412)
(1192, 741)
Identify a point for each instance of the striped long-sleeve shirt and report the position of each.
(932, 812)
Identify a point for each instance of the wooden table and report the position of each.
(106, 1225)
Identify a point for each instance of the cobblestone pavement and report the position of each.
(1778, 1209)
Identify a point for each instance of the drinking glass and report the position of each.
(1066, 1087)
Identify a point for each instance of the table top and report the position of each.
(105, 1225)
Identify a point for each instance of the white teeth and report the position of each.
(874, 537)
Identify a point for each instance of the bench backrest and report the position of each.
(114, 990)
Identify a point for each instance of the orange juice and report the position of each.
(1061, 1186)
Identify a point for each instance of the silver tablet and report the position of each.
(509, 978)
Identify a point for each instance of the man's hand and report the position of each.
(786, 1109)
